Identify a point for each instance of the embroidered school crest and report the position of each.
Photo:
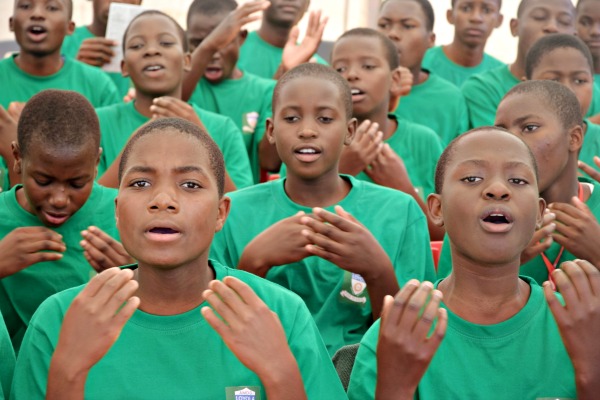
(358, 284)
(353, 289)
(250, 120)
(242, 393)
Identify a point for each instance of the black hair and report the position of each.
(180, 30)
(210, 8)
(391, 53)
(182, 126)
(318, 71)
(453, 2)
(549, 43)
(58, 119)
(524, 3)
(427, 10)
(446, 157)
(558, 98)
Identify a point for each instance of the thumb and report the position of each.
(293, 38)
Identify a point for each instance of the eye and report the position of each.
(326, 120)
(383, 25)
(291, 118)
(139, 183)
(530, 128)
(409, 26)
(369, 66)
(77, 185)
(579, 81)
(340, 70)
(42, 182)
(167, 43)
(135, 46)
(566, 21)
(191, 185)
(518, 181)
(471, 179)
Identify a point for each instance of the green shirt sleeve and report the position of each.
(481, 102)
(363, 379)
(235, 155)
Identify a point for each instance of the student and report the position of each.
(409, 24)
(39, 30)
(389, 151)
(155, 58)
(567, 60)
(42, 219)
(272, 50)
(88, 44)
(216, 84)
(474, 21)
(588, 20)
(339, 243)
(167, 210)
(547, 116)
(535, 19)
(494, 329)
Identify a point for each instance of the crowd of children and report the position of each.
(143, 213)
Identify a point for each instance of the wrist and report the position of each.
(253, 265)
(64, 370)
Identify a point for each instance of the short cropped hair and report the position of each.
(391, 53)
(558, 98)
(217, 164)
(550, 43)
(453, 2)
(318, 71)
(427, 10)
(210, 8)
(58, 119)
(446, 157)
(524, 3)
(180, 30)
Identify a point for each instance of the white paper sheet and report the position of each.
(118, 19)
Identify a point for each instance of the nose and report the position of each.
(394, 34)
(351, 74)
(595, 29)
(496, 190)
(163, 200)
(152, 49)
(59, 198)
(476, 15)
(307, 131)
(551, 26)
(37, 11)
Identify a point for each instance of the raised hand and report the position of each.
(542, 238)
(363, 150)
(102, 251)
(96, 51)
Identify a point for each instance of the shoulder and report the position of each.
(87, 71)
(210, 118)
(421, 133)
(442, 87)
(253, 193)
(488, 78)
(381, 195)
(110, 110)
(259, 81)
(52, 310)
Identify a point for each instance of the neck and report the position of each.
(464, 55)
(518, 67)
(563, 188)
(419, 76)
(143, 101)
(274, 35)
(596, 60)
(324, 191)
(173, 291)
(40, 66)
(386, 125)
(484, 294)
(97, 28)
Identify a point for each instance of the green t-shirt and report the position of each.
(7, 361)
(177, 356)
(591, 146)
(261, 58)
(23, 292)
(247, 101)
(437, 104)
(520, 358)
(535, 268)
(71, 46)
(342, 313)
(419, 148)
(437, 61)
(119, 121)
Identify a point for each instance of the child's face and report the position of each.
(588, 25)
(56, 182)
(154, 56)
(310, 127)
(40, 26)
(362, 62)
(405, 23)
(570, 68)
(224, 61)
(101, 8)
(542, 17)
(489, 203)
(168, 208)
(285, 13)
(527, 116)
(474, 20)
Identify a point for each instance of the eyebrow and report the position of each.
(524, 118)
(141, 169)
(484, 163)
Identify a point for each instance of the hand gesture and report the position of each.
(406, 81)
(252, 332)
(542, 238)
(405, 350)
(295, 54)
(166, 106)
(92, 325)
(29, 245)
(339, 238)
(260, 255)
(363, 150)
(577, 229)
(8, 133)
(579, 321)
(15, 108)
(389, 170)
(96, 51)
(102, 251)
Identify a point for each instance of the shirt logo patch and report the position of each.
(353, 290)
(250, 120)
(242, 393)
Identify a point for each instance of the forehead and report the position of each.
(494, 3)
(519, 105)
(400, 9)
(152, 24)
(202, 23)
(564, 59)
(564, 6)
(358, 47)
(310, 92)
(589, 7)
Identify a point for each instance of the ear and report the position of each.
(16, 151)
(224, 206)
(514, 27)
(575, 138)
(450, 16)
(242, 36)
(499, 21)
(431, 39)
(269, 131)
(124, 70)
(395, 89)
(70, 28)
(434, 206)
(187, 62)
(11, 24)
(352, 126)
(98, 161)
(540, 214)
(117, 212)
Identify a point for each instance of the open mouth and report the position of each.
(163, 231)
(162, 234)
(357, 94)
(497, 221)
(153, 69)
(37, 32)
(307, 153)
(213, 73)
(55, 219)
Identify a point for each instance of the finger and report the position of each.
(440, 330)
(540, 246)
(415, 304)
(97, 49)
(335, 220)
(579, 279)
(104, 243)
(326, 230)
(593, 275)
(93, 262)
(245, 292)
(120, 296)
(322, 246)
(35, 258)
(565, 286)
(321, 29)
(34, 246)
(113, 285)
(221, 305)
(401, 299)
(98, 281)
(215, 322)
(594, 174)
(124, 313)
(313, 22)
(362, 130)
(566, 213)
(557, 309)
(597, 161)
(97, 259)
(293, 38)
(423, 324)
(548, 217)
